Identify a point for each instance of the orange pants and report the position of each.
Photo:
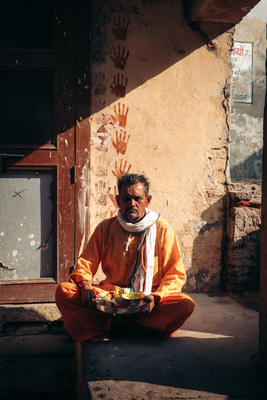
(86, 324)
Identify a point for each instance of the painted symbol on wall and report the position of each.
(118, 86)
(101, 138)
(119, 57)
(119, 29)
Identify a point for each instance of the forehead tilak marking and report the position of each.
(132, 191)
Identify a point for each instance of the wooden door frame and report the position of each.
(59, 156)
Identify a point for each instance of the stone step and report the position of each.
(37, 367)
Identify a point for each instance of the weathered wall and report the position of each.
(172, 124)
(242, 253)
(248, 95)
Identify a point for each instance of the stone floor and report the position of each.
(214, 356)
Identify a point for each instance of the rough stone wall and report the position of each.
(160, 104)
(243, 241)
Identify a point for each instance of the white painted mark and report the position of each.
(32, 242)
(19, 239)
(2, 233)
(14, 253)
(31, 235)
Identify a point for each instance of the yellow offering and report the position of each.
(131, 299)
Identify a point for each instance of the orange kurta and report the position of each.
(108, 245)
(116, 249)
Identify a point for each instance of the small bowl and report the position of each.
(131, 299)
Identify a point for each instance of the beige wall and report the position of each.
(176, 126)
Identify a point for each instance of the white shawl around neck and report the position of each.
(141, 278)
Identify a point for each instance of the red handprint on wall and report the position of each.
(122, 170)
(118, 58)
(101, 192)
(118, 87)
(120, 30)
(121, 142)
(120, 116)
(113, 197)
(100, 84)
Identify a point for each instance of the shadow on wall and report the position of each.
(251, 168)
(131, 42)
(207, 271)
(134, 42)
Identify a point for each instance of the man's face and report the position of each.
(133, 202)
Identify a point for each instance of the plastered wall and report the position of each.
(160, 106)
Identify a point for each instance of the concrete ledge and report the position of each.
(29, 312)
(214, 356)
(30, 319)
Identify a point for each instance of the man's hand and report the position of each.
(150, 304)
(87, 296)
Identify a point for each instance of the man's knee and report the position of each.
(64, 292)
(186, 306)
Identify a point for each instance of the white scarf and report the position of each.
(142, 280)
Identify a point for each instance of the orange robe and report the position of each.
(116, 249)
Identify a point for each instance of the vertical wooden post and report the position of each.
(263, 273)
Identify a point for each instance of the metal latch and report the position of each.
(73, 174)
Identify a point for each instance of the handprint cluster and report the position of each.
(115, 122)
(119, 57)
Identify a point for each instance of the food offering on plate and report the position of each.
(131, 299)
(120, 298)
